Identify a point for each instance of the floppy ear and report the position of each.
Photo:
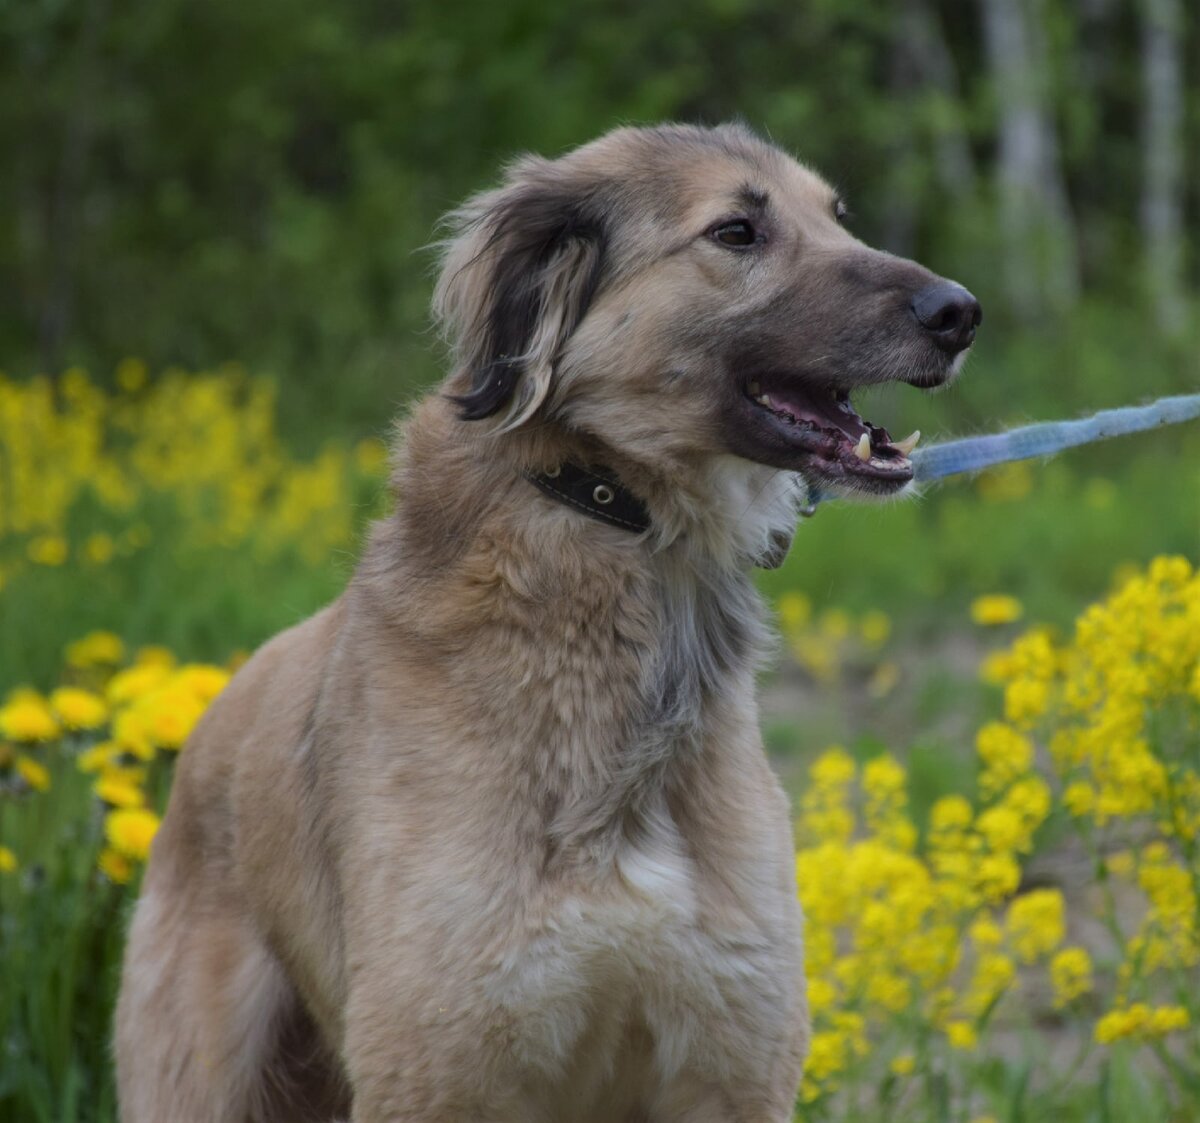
(518, 273)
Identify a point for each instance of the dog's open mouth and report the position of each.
(836, 444)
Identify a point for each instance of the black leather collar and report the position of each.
(595, 492)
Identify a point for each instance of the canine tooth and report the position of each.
(762, 399)
(909, 443)
(863, 449)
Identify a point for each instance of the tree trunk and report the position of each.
(1161, 205)
(65, 202)
(1041, 265)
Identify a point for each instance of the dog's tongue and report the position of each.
(831, 413)
(822, 410)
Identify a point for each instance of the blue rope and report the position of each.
(1048, 437)
(1042, 439)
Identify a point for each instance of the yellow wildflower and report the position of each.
(1079, 798)
(1036, 923)
(1140, 1022)
(27, 716)
(35, 774)
(99, 548)
(79, 709)
(903, 1065)
(97, 757)
(8, 860)
(128, 685)
(96, 649)
(130, 831)
(117, 792)
(961, 1035)
(995, 608)
(48, 550)
(114, 865)
(1071, 975)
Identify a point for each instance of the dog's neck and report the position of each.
(627, 651)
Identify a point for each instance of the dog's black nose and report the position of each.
(949, 313)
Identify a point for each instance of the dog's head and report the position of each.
(681, 292)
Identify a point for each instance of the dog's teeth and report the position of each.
(762, 399)
(909, 443)
(863, 449)
(755, 390)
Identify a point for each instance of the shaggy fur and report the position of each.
(493, 837)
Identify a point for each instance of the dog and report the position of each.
(493, 838)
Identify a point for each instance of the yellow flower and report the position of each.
(118, 793)
(995, 608)
(1036, 923)
(1079, 798)
(26, 716)
(114, 865)
(97, 757)
(370, 456)
(903, 1065)
(96, 649)
(8, 860)
(131, 375)
(1005, 754)
(202, 680)
(875, 628)
(1006, 482)
(129, 685)
(34, 774)
(48, 549)
(795, 611)
(99, 548)
(961, 1035)
(171, 714)
(155, 655)
(79, 709)
(1140, 1022)
(1071, 975)
(130, 831)
(994, 974)
(131, 733)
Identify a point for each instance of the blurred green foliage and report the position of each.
(195, 182)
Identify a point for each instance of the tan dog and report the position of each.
(493, 837)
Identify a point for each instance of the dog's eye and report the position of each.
(840, 211)
(739, 234)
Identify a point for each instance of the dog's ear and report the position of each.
(519, 270)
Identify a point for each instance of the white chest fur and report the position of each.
(628, 953)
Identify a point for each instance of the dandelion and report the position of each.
(130, 831)
(34, 773)
(27, 717)
(78, 709)
(98, 757)
(114, 865)
(96, 649)
(8, 860)
(117, 792)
